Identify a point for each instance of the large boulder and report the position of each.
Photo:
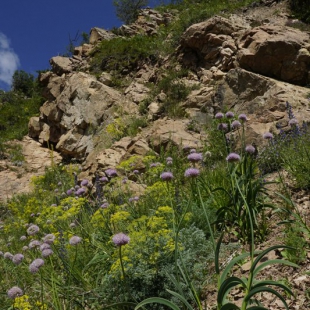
(275, 51)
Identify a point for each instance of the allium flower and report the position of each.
(235, 124)
(233, 157)
(104, 205)
(135, 172)
(104, 179)
(80, 192)
(84, 182)
(250, 149)
(219, 115)
(76, 187)
(268, 135)
(8, 255)
(72, 225)
(242, 118)
(132, 199)
(154, 164)
(49, 238)
(14, 292)
(47, 252)
(120, 239)
(32, 230)
(25, 248)
(75, 240)
(33, 268)
(70, 191)
(194, 157)
(230, 114)
(191, 172)
(17, 258)
(38, 262)
(34, 243)
(192, 151)
(23, 238)
(293, 122)
(111, 173)
(44, 246)
(222, 127)
(166, 176)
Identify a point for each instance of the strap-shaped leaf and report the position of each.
(157, 300)
(275, 283)
(186, 303)
(217, 253)
(229, 306)
(257, 308)
(226, 286)
(271, 262)
(265, 289)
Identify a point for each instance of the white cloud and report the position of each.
(9, 60)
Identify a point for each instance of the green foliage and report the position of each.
(301, 9)
(127, 10)
(23, 82)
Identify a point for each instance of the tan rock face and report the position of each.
(275, 51)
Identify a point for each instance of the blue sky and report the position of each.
(33, 31)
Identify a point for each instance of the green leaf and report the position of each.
(120, 304)
(229, 306)
(226, 286)
(265, 289)
(157, 300)
(273, 261)
(257, 308)
(186, 303)
(217, 254)
(275, 283)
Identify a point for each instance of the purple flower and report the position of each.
(25, 248)
(222, 127)
(191, 172)
(75, 240)
(35, 265)
(293, 122)
(268, 135)
(33, 269)
(17, 258)
(250, 149)
(120, 239)
(32, 230)
(23, 238)
(192, 151)
(104, 179)
(111, 173)
(194, 157)
(14, 292)
(84, 182)
(132, 199)
(154, 164)
(44, 246)
(8, 255)
(70, 191)
(124, 181)
(104, 205)
(80, 192)
(235, 124)
(49, 238)
(219, 115)
(166, 176)
(233, 157)
(135, 172)
(230, 114)
(34, 243)
(47, 252)
(242, 117)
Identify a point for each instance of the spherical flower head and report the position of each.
(84, 182)
(32, 230)
(80, 191)
(44, 246)
(8, 255)
(49, 238)
(38, 262)
(235, 124)
(230, 114)
(219, 115)
(74, 240)
(192, 151)
(14, 292)
(33, 268)
(250, 149)
(293, 122)
(191, 172)
(222, 127)
(25, 248)
(70, 191)
(120, 239)
(152, 165)
(23, 238)
(166, 176)
(104, 205)
(34, 243)
(242, 118)
(17, 258)
(268, 135)
(47, 252)
(233, 157)
(104, 179)
(111, 173)
(135, 171)
(194, 157)
(72, 225)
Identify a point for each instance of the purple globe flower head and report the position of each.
(74, 240)
(33, 244)
(268, 135)
(70, 191)
(80, 191)
(293, 122)
(135, 171)
(47, 252)
(56, 190)
(191, 172)
(194, 157)
(76, 187)
(49, 238)
(230, 114)
(132, 199)
(17, 258)
(104, 205)
(111, 173)
(242, 117)
(250, 149)
(72, 225)
(236, 124)
(23, 238)
(192, 151)
(37, 263)
(14, 292)
(166, 176)
(104, 179)
(25, 248)
(154, 164)
(169, 161)
(59, 183)
(233, 157)
(219, 115)
(8, 255)
(44, 246)
(33, 269)
(120, 239)
(222, 127)
(84, 182)
(32, 230)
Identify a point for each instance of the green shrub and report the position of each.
(301, 8)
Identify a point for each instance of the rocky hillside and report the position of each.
(253, 61)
